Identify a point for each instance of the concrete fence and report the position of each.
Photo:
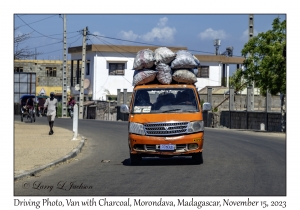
(270, 121)
(240, 102)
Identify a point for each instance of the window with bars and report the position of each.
(203, 72)
(116, 69)
(51, 71)
(18, 69)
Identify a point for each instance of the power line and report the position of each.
(37, 21)
(37, 31)
(115, 46)
(75, 40)
(52, 51)
(45, 45)
(192, 50)
(125, 40)
(144, 43)
(54, 34)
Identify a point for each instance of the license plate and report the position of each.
(167, 147)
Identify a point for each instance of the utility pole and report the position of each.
(251, 33)
(81, 96)
(64, 81)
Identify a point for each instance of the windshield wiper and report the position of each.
(172, 110)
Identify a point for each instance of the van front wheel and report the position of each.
(135, 159)
(198, 158)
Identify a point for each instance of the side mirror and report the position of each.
(124, 109)
(206, 106)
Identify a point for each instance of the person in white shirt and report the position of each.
(51, 105)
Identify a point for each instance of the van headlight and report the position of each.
(195, 126)
(136, 128)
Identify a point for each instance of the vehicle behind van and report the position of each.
(165, 121)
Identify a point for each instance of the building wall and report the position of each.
(48, 84)
(104, 81)
(214, 75)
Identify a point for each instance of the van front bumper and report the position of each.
(181, 145)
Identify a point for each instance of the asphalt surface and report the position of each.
(235, 163)
(36, 150)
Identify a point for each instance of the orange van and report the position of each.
(165, 121)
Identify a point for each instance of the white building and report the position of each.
(110, 67)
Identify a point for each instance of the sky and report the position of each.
(197, 32)
(190, 23)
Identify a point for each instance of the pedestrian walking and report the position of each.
(41, 102)
(51, 105)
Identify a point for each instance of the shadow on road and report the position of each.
(153, 161)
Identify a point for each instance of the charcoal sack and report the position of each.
(143, 60)
(197, 61)
(164, 73)
(164, 55)
(184, 76)
(143, 76)
(184, 60)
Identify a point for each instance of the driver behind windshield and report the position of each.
(142, 98)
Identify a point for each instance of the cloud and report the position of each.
(95, 39)
(210, 34)
(18, 33)
(161, 32)
(98, 33)
(129, 35)
(245, 36)
(162, 22)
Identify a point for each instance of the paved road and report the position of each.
(235, 163)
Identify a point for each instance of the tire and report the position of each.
(197, 158)
(21, 117)
(135, 159)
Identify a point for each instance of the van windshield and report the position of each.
(165, 100)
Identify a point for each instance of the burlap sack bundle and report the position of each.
(144, 60)
(164, 73)
(184, 60)
(143, 76)
(164, 55)
(184, 76)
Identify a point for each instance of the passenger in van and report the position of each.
(184, 97)
(142, 98)
(164, 100)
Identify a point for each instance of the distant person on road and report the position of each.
(41, 102)
(51, 105)
(29, 103)
(71, 104)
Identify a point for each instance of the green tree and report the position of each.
(236, 80)
(265, 61)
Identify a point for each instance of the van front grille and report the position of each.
(153, 147)
(165, 129)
